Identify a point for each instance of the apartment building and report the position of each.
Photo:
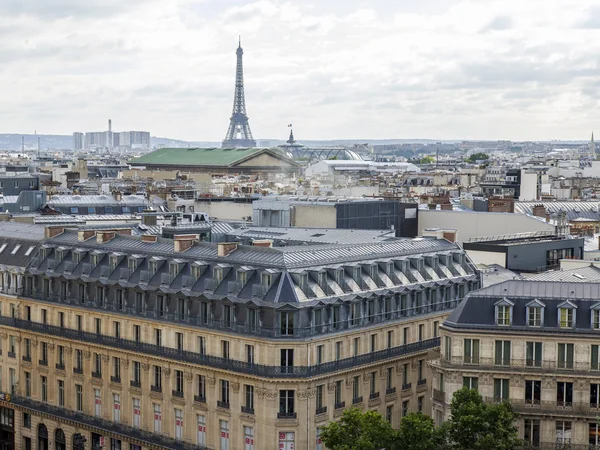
(534, 344)
(144, 342)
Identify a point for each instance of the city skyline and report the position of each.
(444, 70)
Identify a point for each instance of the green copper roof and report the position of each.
(197, 156)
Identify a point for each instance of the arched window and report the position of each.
(42, 437)
(60, 442)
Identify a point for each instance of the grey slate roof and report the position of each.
(590, 273)
(295, 236)
(281, 257)
(478, 308)
(574, 210)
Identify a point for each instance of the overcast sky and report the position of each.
(356, 69)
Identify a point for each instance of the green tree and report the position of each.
(357, 430)
(478, 157)
(475, 425)
(417, 432)
(427, 160)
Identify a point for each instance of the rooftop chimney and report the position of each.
(149, 238)
(182, 242)
(226, 248)
(117, 195)
(262, 243)
(539, 211)
(102, 237)
(84, 235)
(50, 232)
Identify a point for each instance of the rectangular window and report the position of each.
(389, 379)
(248, 438)
(98, 323)
(97, 403)
(356, 347)
(225, 392)
(116, 407)
(225, 349)
(250, 354)
(533, 392)
(157, 337)
(320, 396)
(249, 397)
(178, 423)
(501, 388)
(531, 434)
(179, 339)
(405, 335)
(157, 378)
(420, 365)
(117, 329)
(137, 412)
(201, 423)
(420, 404)
(224, 441)
(373, 343)
(595, 365)
(564, 393)
(79, 397)
(320, 351)
(356, 390)
(61, 319)
(201, 386)
(157, 418)
(502, 355)
(503, 317)
(565, 356)
(436, 326)
(471, 351)
(136, 373)
(390, 339)
(79, 323)
(44, 388)
(471, 382)
(373, 384)
(534, 316)
(448, 348)
(201, 345)
(27, 384)
(405, 407)
(116, 369)
(338, 394)
(286, 402)
(179, 382)
(338, 350)
(594, 395)
(566, 317)
(287, 323)
(563, 433)
(533, 354)
(388, 413)
(61, 393)
(421, 332)
(137, 333)
(287, 360)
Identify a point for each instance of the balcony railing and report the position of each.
(154, 388)
(177, 393)
(199, 398)
(97, 374)
(106, 427)
(391, 390)
(60, 366)
(560, 408)
(247, 410)
(321, 410)
(374, 395)
(521, 365)
(135, 383)
(115, 379)
(421, 382)
(26, 358)
(221, 404)
(249, 329)
(223, 363)
(286, 415)
(339, 405)
(406, 386)
(43, 362)
(78, 370)
(439, 396)
(357, 400)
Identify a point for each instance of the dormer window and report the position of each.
(59, 255)
(114, 260)
(265, 280)
(43, 252)
(94, 260)
(535, 313)
(218, 274)
(152, 265)
(132, 264)
(322, 278)
(196, 272)
(76, 257)
(595, 309)
(504, 312)
(566, 314)
(242, 277)
(173, 269)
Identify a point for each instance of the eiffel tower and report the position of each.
(238, 133)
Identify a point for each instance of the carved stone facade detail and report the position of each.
(167, 372)
(211, 381)
(105, 358)
(548, 382)
(145, 367)
(309, 393)
(51, 347)
(517, 381)
(189, 376)
(486, 379)
(235, 387)
(125, 363)
(331, 387)
(87, 355)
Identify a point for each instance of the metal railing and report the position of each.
(248, 328)
(106, 427)
(439, 396)
(223, 363)
(520, 365)
(586, 409)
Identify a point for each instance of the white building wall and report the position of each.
(528, 186)
(471, 224)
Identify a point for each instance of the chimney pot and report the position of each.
(226, 248)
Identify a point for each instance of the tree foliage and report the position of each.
(473, 425)
(358, 430)
(478, 157)
(427, 160)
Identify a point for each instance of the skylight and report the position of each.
(16, 249)
(3, 247)
(29, 250)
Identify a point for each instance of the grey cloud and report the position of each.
(498, 23)
(591, 19)
(56, 9)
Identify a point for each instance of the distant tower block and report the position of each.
(592, 145)
(238, 133)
